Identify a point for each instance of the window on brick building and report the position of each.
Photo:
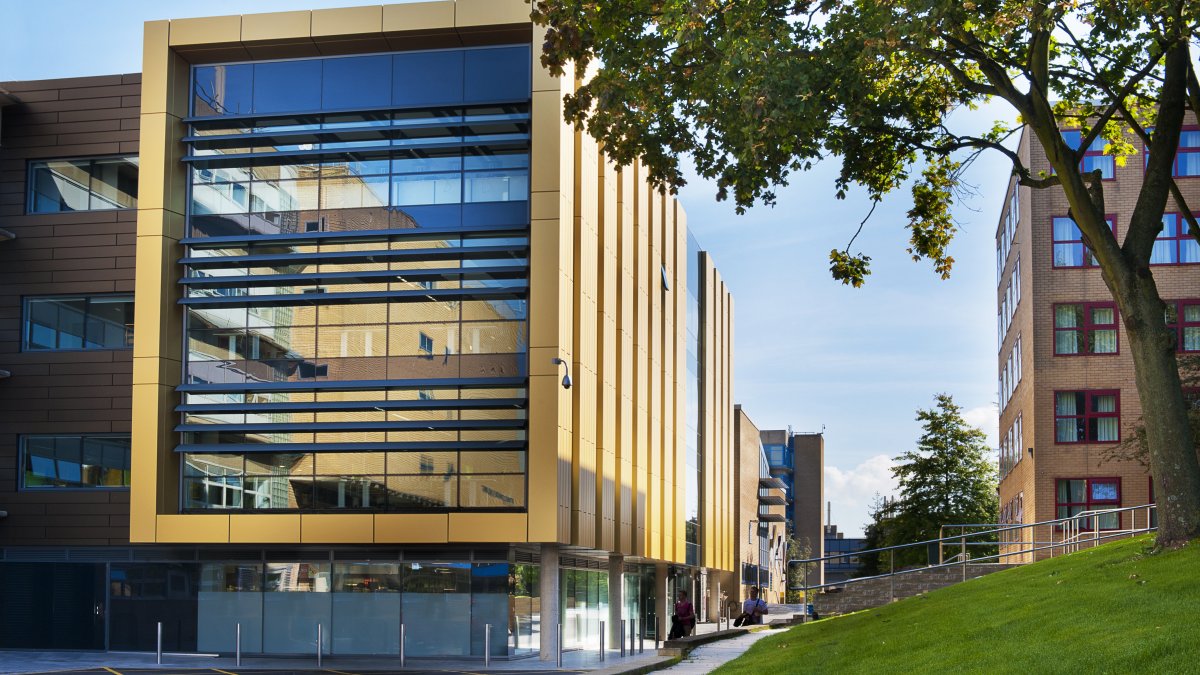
(1085, 328)
(1087, 416)
(1076, 495)
(1069, 249)
(1175, 244)
(1094, 158)
(1183, 317)
(1187, 159)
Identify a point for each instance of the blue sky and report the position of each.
(810, 352)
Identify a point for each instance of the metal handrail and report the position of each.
(1072, 529)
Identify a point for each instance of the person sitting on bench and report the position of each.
(753, 610)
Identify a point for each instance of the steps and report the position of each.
(860, 595)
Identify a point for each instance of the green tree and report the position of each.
(948, 479)
(753, 90)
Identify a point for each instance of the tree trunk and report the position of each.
(1173, 458)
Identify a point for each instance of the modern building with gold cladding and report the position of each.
(370, 259)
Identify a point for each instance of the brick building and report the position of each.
(1066, 385)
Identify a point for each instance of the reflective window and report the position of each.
(498, 74)
(1175, 244)
(78, 322)
(1085, 328)
(287, 86)
(223, 90)
(75, 461)
(427, 78)
(1069, 249)
(83, 185)
(356, 82)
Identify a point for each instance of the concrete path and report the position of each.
(706, 658)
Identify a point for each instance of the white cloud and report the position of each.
(851, 491)
(985, 418)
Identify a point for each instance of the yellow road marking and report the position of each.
(226, 672)
(114, 672)
(339, 672)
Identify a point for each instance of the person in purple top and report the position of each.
(684, 619)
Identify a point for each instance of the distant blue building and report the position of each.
(846, 567)
(798, 459)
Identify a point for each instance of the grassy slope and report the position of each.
(1113, 609)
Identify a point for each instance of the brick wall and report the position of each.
(64, 253)
(1045, 373)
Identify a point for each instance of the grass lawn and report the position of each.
(1113, 609)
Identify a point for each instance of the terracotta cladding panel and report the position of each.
(53, 254)
(1045, 373)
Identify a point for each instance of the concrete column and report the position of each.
(663, 603)
(616, 601)
(549, 592)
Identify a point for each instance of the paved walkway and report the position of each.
(707, 658)
(702, 660)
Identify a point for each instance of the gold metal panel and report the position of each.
(488, 527)
(490, 12)
(276, 26)
(264, 528)
(155, 66)
(193, 529)
(206, 30)
(347, 21)
(146, 445)
(161, 153)
(337, 528)
(411, 528)
(543, 469)
(418, 16)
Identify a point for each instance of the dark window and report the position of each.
(356, 82)
(1076, 495)
(75, 461)
(1184, 318)
(1085, 328)
(1094, 158)
(1087, 416)
(498, 74)
(427, 78)
(287, 86)
(1175, 245)
(83, 185)
(1069, 249)
(223, 90)
(425, 344)
(78, 322)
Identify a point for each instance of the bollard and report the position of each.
(657, 632)
(159, 652)
(237, 646)
(623, 622)
(318, 645)
(560, 645)
(401, 645)
(601, 641)
(641, 639)
(487, 645)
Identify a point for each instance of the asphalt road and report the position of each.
(324, 671)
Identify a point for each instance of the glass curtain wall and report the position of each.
(583, 605)
(357, 275)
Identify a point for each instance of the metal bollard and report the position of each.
(560, 645)
(318, 645)
(623, 623)
(487, 645)
(159, 651)
(602, 641)
(641, 639)
(657, 632)
(401, 645)
(237, 647)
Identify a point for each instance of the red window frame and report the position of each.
(1088, 259)
(1094, 156)
(1088, 415)
(1176, 319)
(1175, 236)
(1185, 150)
(1089, 504)
(1087, 328)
